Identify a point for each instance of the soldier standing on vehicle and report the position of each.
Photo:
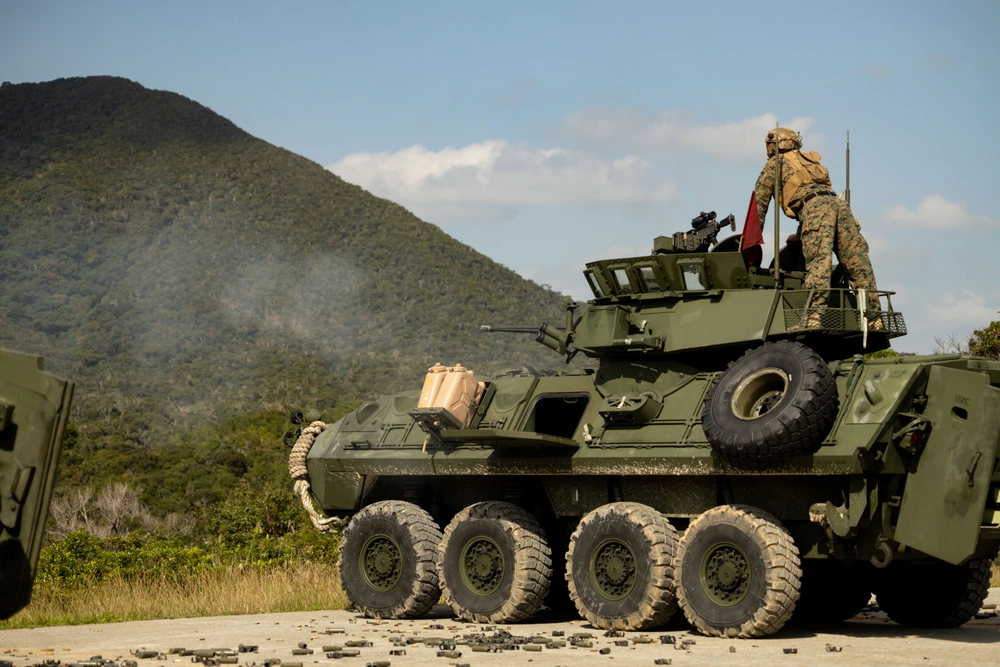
(826, 224)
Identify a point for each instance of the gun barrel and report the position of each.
(488, 328)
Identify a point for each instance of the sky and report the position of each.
(549, 134)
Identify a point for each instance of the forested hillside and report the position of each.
(183, 272)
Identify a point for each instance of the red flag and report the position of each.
(753, 237)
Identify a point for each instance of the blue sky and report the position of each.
(547, 134)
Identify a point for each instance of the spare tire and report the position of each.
(775, 402)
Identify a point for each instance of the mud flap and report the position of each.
(943, 502)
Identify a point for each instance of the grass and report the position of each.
(300, 587)
(994, 575)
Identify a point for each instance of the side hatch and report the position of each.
(34, 409)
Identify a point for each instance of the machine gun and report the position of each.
(706, 226)
(702, 235)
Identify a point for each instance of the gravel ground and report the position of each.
(869, 638)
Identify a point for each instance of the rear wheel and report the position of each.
(738, 573)
(620, 567)
(388, 560)
(495, 565)
(940, 595)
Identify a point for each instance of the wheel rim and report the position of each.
(759, 393)
(381, 563)
(482, 566)
(725, 574)
(613, 569)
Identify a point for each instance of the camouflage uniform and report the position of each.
(826, 226)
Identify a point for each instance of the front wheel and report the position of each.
(620, 567)
(387, 560)
(495, 564)
(738, 573)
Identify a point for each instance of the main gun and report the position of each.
(551, 337)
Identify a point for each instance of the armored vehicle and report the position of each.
(34, 408)
(731, 452)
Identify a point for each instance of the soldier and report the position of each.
(826, 224)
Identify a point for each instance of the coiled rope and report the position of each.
(300, 475)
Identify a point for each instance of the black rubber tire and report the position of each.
(527, 563)
(651, 599)
(832, 591)
(771, 588)
(794, 426)
(933, 596)
(416, 536)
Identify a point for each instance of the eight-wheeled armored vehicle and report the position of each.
(34, 409)
(731, 452)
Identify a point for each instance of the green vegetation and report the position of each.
(985, 342)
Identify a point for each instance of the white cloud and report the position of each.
(490, 180)
(937, 213)
(650, 134)
(966, 309)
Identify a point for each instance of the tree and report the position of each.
(985, 342)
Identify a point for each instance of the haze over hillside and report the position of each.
(180, 269)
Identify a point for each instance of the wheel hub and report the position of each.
(759, 393)
(725, 574)
(482, 566)
(381, 563)
(613, 569)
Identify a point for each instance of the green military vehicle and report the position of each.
(731, 452)
(34, 408)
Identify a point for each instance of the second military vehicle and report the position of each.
(731, 452)
(34, 409)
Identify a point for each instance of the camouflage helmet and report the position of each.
(786, 140)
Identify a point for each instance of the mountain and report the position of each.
(181, 270)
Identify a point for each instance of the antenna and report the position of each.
(777, 211)
(847, 191)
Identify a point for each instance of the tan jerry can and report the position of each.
(453, 388)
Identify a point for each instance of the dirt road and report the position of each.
(873, 640)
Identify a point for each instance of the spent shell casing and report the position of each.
(358, 643)
(621, 642)
(642, 640)
(302, 651)
(532, 647)
(302, 645)
(585, 644)
(291, 664)
(605, 651)
(449, 654)
(146, 654)
(330, 648)
(346, 653)
(539, 640)
(130, 663)
(789, 651)
(379, 663)
(175, 651)
(205, 653)
(555, 644)
(558, 633)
